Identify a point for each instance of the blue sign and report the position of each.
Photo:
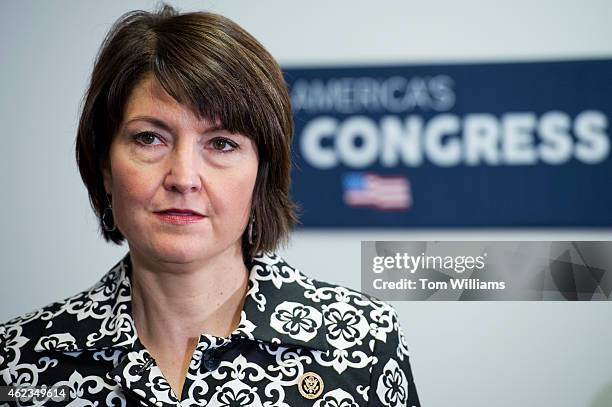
(484, 145)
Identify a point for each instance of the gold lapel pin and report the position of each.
(310, 385)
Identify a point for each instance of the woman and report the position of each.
(184, 147)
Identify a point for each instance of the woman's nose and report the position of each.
(183, 175)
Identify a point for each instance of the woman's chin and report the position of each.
(180, 254)
(173, 251)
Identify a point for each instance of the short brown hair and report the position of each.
(209, 63)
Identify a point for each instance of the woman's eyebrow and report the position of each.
(149, 119)
(162, 125)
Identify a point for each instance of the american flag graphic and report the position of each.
(390, 193)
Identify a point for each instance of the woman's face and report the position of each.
(165, 161)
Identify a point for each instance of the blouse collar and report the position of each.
(281, 307)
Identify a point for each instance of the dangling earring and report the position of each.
(251, 226)
(108, 221)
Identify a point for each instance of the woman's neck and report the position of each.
(173, 304)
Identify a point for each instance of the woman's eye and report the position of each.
(223, 145)
(147, 138)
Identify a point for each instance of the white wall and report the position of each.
(463, 354)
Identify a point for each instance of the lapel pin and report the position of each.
(310, 385)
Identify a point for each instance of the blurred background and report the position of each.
(472, 354)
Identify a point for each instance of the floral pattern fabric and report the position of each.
(290, 324)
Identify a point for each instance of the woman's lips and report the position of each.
(179, 218)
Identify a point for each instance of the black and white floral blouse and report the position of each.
(300, 342)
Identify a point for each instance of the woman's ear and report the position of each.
(107, 178)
